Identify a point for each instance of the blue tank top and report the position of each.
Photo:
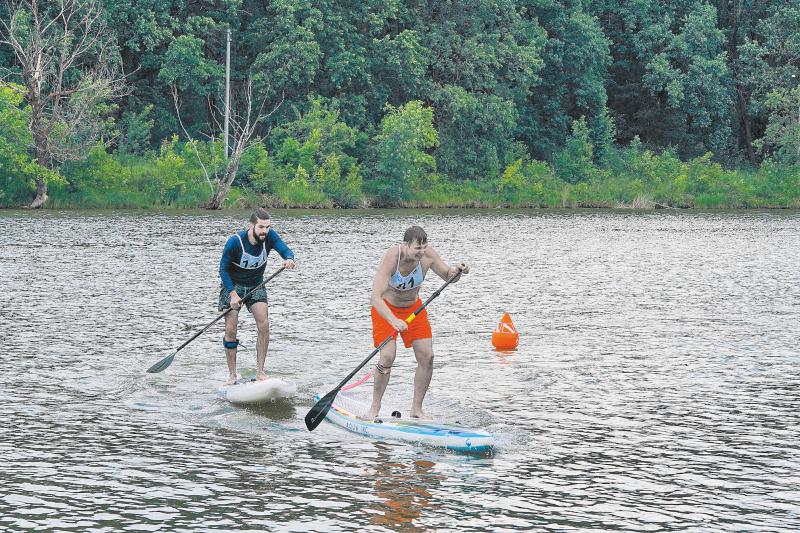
(406, 283)
(244, 264)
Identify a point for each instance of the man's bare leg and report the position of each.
(423, 351)
(231, 326)
(381, 379)
(261, 314)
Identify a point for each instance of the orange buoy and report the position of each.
(505, 336)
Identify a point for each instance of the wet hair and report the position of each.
(259, 214)
(415, 233)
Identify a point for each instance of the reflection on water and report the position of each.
(274, 410)
(404, 491)
(505, 357)
(655, 386)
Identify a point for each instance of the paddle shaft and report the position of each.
(313, 419)
(228, 310)
(158, 366)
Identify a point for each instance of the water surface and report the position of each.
(656, 386)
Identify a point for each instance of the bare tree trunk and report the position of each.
(41, 195)
(741, 103)
(222, 190)
(224, 185)
(219, 196)
(244, 127)
(40, 131)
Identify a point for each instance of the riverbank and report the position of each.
(626, 178)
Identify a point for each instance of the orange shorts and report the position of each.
(419, 328)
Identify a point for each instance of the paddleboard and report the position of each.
(248, 391)
(346, 410)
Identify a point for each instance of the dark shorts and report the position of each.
(260, 295)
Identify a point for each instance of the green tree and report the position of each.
(765, 55)
(321, 144)
(186, 67)
(485, 59)
(477, 138)
(574, 164)
(692, 79)
(670, 81)
(136, 131)
(282, 44)
(19, 171)
(576, 59)
(402, 161)
(152, 35)
(782, 135)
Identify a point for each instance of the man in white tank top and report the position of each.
(395, 295)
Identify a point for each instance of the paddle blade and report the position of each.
(161, 365)
(316, 414)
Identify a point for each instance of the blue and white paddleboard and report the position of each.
(345, 411)
(249, 391)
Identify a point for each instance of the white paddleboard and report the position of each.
(249, 390)
(345, 412)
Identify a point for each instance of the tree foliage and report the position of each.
(507, 85)
(402, 158)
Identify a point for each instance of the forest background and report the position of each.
(594, 103)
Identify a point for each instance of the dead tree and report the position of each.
(245, 120)
(68, 65)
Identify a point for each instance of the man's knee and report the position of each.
(232, 320)
(424, 357)
(385, 362)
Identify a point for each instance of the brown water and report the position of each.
(656, 387)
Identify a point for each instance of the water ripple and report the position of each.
(655, 388)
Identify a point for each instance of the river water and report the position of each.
(656, 386)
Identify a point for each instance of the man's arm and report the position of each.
(226, 262)
(442, 269)
(279, 246)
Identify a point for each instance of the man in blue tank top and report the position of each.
(241, 269)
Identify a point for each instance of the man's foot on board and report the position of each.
(231, 380)
(420, 415)
(371, 414)
(261, 376)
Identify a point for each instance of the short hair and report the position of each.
(415, 233)
(259, 214)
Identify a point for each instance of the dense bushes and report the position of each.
(316, 160)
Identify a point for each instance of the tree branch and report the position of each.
(176, 100)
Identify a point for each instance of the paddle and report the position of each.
(316, 414)
(164, 363)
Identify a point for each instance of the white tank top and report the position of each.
(406, 283)
(252, 262)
